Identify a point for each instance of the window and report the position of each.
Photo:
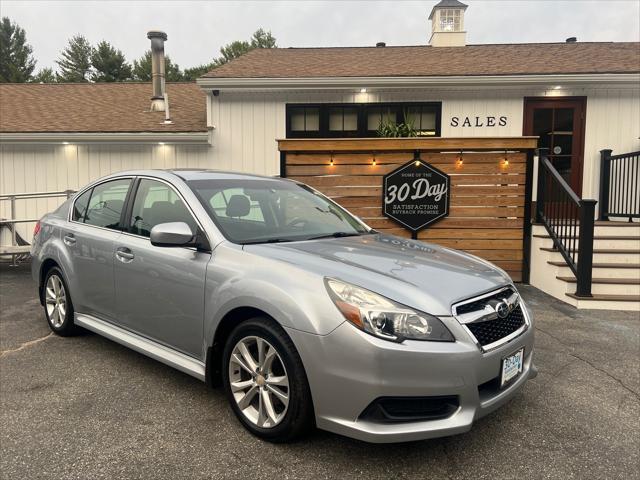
(376, 116)
(343, 119)
(262, 211)
(155, 203)
(360, 120)
(105, 205)
(450, 20)
(423, 119)
(80, 207)
(220, 204)
(305, 119)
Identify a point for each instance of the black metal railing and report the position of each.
(619, 185)
(569, 221)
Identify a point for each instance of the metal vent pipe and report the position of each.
(157, 69)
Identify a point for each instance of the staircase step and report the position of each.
(601, 270)
(606, 297)
(599, 237)
(608, 223)
(600, 242)
(610, 281)
(601, 250)
(606, 286)
(603, 229)
(602, 223)
(600, 265)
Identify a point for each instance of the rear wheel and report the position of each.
(57, 304)
(265, 381)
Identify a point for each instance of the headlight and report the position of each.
(384, 318)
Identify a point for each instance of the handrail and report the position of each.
(569, 221)
(60, 193)
(11, 223)
(563, 183)
(619, 185)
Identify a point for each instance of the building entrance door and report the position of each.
(559, 122)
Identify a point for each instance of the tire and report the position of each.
(278, 422)
(58, 308)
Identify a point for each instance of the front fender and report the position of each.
(295, 298)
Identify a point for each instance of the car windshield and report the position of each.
(271, 211)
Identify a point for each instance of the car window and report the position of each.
(255, 211)
(106, 203)
(155, 203)
(220, 202)
(80, 206)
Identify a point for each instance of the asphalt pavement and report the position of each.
(88, 408)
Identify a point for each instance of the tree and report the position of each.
(190, 74)
(262, 39)
(75, 61)
(16, 62)
(46, 75)
(142, 69)
(109, 64)
(259, 39)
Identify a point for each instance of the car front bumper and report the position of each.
(349, 369)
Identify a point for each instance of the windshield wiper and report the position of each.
(269, 240)
(337, 235)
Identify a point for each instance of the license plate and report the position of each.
(511, 367)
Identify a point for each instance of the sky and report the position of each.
(197, 29)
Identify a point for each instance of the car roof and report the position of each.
(188, 174)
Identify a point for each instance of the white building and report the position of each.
(578, 97)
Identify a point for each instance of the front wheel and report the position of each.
(57, 304)
(265, 381)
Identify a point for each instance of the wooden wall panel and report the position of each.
(487, 203)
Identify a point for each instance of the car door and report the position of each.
(89, 238)
(160, 290)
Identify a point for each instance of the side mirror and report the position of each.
(173, 234)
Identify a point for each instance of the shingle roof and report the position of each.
(427, 61)
(98, 107)
(447, 4)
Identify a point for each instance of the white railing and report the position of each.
(18, 246)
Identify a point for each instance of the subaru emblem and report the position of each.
(503, 309)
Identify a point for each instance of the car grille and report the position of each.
(479, 304)
(491, 331)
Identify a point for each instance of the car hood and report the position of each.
(421, 275)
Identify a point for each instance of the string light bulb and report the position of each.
(460, 161)
(417, 163)
(331, 161)
(373, 160)
(505, 161)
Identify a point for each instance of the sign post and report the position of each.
(416, 195)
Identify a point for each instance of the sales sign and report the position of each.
(416, 194)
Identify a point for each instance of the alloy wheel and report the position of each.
(259, 381)
(56, 301)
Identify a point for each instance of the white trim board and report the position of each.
(194, 138)
(416, 82)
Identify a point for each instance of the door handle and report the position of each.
(125, 255)
(69, 239)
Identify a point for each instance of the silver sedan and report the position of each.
(304, 314)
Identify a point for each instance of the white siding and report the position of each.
(40, 168)
(248, 123)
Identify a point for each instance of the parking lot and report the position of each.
(86, 407)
